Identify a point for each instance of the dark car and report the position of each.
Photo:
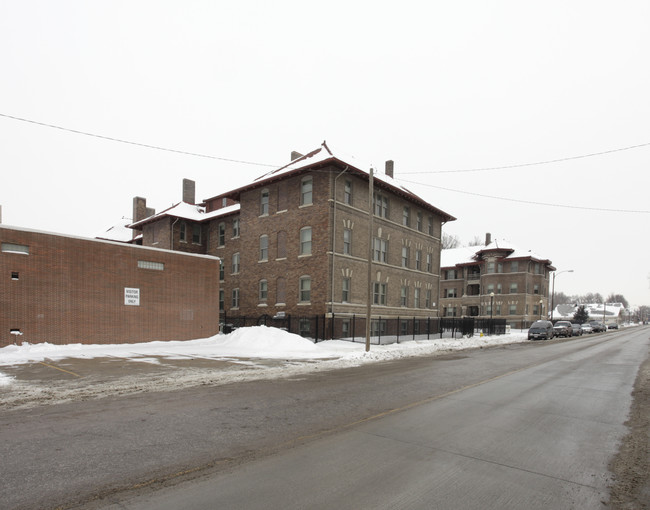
(541, 330)
(577, 329)
(613, 325)
(563, 328)
(598, 327)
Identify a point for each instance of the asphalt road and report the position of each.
(524, 426)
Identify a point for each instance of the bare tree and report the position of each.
(449, 241)
(475, 242)
(617, 298)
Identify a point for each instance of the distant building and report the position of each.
(607, 313)
(296, 241)
(496, 280)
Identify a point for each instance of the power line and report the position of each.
(521, 165)
(76, 131)
(601, 209)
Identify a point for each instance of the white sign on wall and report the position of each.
(131, 296)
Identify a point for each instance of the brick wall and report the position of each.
(72, 290)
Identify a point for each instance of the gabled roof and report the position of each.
(321, 158)
(474, 254)
(186, 211)
(118, 232)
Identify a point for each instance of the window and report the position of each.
(451, 293)
(430, 226)
(264, 247)
(264, 202)
(305, 241)
(406, 217)
(450, 311)
(222, 271)
(429, 266)
(499, 288)
(281, 291)
(221, 300)
(305, 289)
(514, 266)
(418, 221)
(196, 234)
(427, 299)
(513, 288)
(403, 327)
(183, 234)
(347, 241)
(405, 256)
(235, 227)
(379, 293)
(15, 275)
(380, 250)
(451, 274)
(264, 290)
(381, 206)
(345, 328)
(222, 234)
(416, 297)
(513, 309)
(499, 267)
(283, 198)
(490, 267)
(305, 327)
(535, 310)
(282, 244)
(235, 263)
(536, 289)
(347, 193)
(418, 259)
(490, 288)
(378, 327)
(404, 296)
(345, 290)
(497, 310)
(306, 194)
(146, 264)
(235, 298)
(15, 248)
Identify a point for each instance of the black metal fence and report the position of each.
(382, 330)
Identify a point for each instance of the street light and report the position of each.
(553, 291)
(541, 305)
(491, 328)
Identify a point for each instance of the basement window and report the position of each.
(146, 264)
(15, 248)
(14, 275)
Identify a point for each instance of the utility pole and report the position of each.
(370, 215)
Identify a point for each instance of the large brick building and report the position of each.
(296, 241)
(496, 280)
(62, 289)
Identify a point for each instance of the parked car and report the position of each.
(614, 325)
(598, 326)
(541, 330)
(563, 328)
(586, 328)
(577, 329)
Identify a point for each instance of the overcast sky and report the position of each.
(438, 87)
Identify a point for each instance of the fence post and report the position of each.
(413, 328)
(399, 326)
(354, 320)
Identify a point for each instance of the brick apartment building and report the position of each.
(496, 280)
(296, 241)
(62, 289)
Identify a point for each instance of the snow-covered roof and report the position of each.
(187, 211)
(472, 254)
(323, 156)
(118, 232)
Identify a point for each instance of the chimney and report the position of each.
(488, 238)
(389, 167)
(295, 155)
(189, 188)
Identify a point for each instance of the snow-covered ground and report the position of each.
(246, 354)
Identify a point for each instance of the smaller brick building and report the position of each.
(62, 289)
(496, 280)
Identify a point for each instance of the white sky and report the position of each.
(435, 86)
